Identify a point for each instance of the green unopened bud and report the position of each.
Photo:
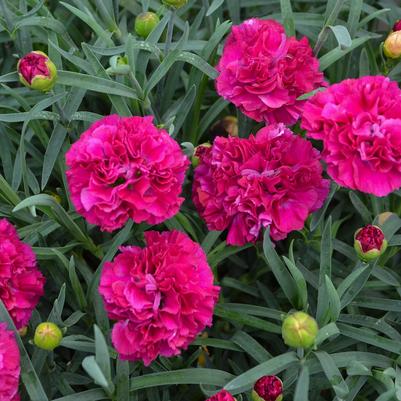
(48, 336)
(299, 330)
(37, 71)
(145, 23)
(175, 3)
(392, 45)
(198, 152)
(369, 242)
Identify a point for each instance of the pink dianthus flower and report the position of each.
(359, 122)
(21, 282)
(125, 168)
(9, 365)
(263, 72)
(162, 296)
(271, 179)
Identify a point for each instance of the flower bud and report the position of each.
(383, 217)
(226, 126)
(397, 26)
(268, 388)
(369, 242)
(222, 395)
(198, 151)
(37, 71)
(145, 23)
(175, 3)
(47, 336)
(23, 331)
(299, 330)
(392, 45)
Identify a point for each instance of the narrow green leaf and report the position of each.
(247, 320)
(279, 270)
(288, 17)
(368, 337)
(333, 374)
(246, 380)
(91, 22)
(342, 35)
(300, 282)
(302, 387)
(89, 395)
(251, 346)
(336, 54)
(326, 251)
(93, 369)
(185, 376)
(360, 207)
(353, 284)
(102, 357)
(96, 84)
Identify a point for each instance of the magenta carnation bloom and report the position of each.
(271, 179)
(162, 296)
(359, 122)
(263, 72)
(21, 282)
(125, 167)
(222, 395)
(9, 365)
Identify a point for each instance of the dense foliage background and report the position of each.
(357, 305)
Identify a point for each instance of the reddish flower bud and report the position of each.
(37, 71)
(397, 26)
(268, 388)
(145, 23)
(222, 395)
(198, 151)
(392, 45)
(369, 242)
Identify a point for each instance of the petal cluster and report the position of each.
(271, 179)
(162, 296)
(263, 72)
(9, 365)
(21, 282)
(125, 168)
(359, 122)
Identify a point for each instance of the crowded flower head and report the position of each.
(162, 296)
(273, 179)
(21, 282)
(125, 168)
(263, 72)
(359, 123)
